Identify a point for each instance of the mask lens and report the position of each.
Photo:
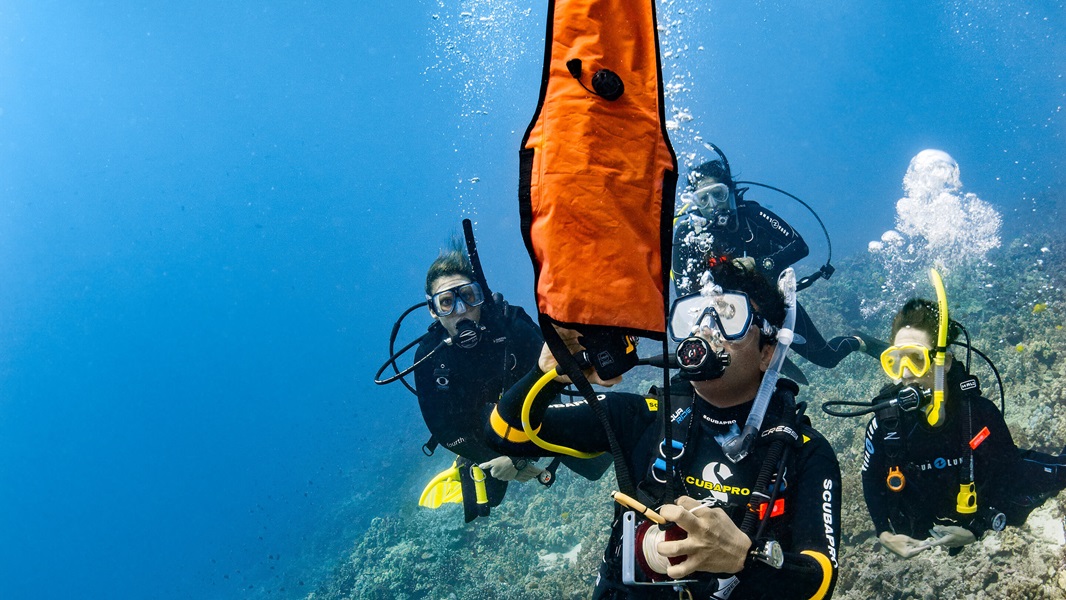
(734, 315)
(444, 302)
(911, 357)
(685, 314)
(730, 313)
(469, 294)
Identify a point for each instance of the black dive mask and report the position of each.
(699, 361)
(467, 334)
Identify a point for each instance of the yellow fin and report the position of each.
(444, 488)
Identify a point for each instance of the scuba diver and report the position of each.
(715, 223)
(940, 467)
(764, 524)
(477, 346)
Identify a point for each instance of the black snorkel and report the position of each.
(475, 262)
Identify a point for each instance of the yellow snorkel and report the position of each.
(935, 412)
(532, 433)
(966, 500)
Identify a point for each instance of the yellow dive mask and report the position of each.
(913, 357)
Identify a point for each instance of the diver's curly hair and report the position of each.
(768, 299)
(451, 261)
(923, 315)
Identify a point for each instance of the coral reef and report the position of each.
(1014, 305)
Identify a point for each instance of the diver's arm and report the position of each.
(785, 244)
(504, 430)
(874, 489)
(431, 399)
(573, 425)
(810, 568)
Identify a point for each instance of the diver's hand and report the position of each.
(746, 263)
(902, 545)
(951, 536)
(714, 544)
(547, 361)
(505, 469)
(527, 472)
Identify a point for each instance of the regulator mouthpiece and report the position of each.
(467, 334)
(699, 361)
(913, 397)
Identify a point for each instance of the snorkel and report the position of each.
(935, 412)
(738, 447)
(475, 262)
(966, 500)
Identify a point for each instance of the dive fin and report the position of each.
(793, 372)
(444, 488)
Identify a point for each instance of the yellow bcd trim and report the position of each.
(505, 431)
(827, 572)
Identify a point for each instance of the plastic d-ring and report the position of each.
(895, 480)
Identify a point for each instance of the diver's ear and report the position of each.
(767, 356)
(432, 313)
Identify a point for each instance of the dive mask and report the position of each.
(446, 301)
(912, 357)
(731, 313)
(715, 201)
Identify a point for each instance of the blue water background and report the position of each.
(211, 213)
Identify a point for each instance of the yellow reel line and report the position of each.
(527, 405)
(935, 415)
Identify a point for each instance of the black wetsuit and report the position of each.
(934, 461)
(773, 244)
(458, 388)
(808, 529)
